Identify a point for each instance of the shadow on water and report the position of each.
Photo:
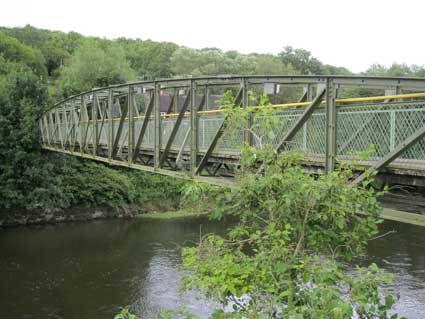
(90, 270)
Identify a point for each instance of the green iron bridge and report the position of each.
(328, 118)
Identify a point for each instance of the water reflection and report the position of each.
(90, 270)
(403, 254)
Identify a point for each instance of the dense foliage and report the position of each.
(286, 256)
(31, 179)
(94, 66)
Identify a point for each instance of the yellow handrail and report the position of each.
(298, 104)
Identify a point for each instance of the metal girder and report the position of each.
(95, 128)
(136, 108)
(58, 125)
(157, 126)
(380, 82)
(102, 123)
(367, 81)
(207, 97)
(119, 132)
(65, 122)
(179, 158)
(210, 150)
(176, 127)
(111, 123)
(144, 126)
(130, 130)
(301, 120)
(76, 121)
(248, 138)
(85, 113)
(391, 156)
(53, 125)
(119, 106)
(194, 129)
(217, 169)
(330, 110)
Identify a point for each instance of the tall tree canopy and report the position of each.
(95, 66)
(13, 50)
(148, 58)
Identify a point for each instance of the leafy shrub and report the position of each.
(286, 256)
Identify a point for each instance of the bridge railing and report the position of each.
(124, 124)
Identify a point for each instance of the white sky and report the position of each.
(350, 33)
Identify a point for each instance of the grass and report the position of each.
(173, 214)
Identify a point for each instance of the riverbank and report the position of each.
(13, 218)
(23, 217)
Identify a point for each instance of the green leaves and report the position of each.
(94, 65)
(125, 314)
(293, 233)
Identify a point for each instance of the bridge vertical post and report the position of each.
(245, 103)
(111, 125)
(157, 119)
(65, 124)
(73, 124)
(59, 126)
(94, 122)
(194, 128)
(331, 120)
(130, 106)
(207, 97)
(393, 91)
(47, 129)
(52, 128)
(83, 128)
(78, 118)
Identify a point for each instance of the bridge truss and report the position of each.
(124, 124)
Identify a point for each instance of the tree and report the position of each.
(13, 50)
(210, 61)
(55, 46)
(285, 257)
(267, 64)
(22, 97)
(94, 66)
(150, 59)
(301, 60)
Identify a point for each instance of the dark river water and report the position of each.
(90, 270)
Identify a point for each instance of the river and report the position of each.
(89, 270)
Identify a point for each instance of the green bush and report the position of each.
(286, 256)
